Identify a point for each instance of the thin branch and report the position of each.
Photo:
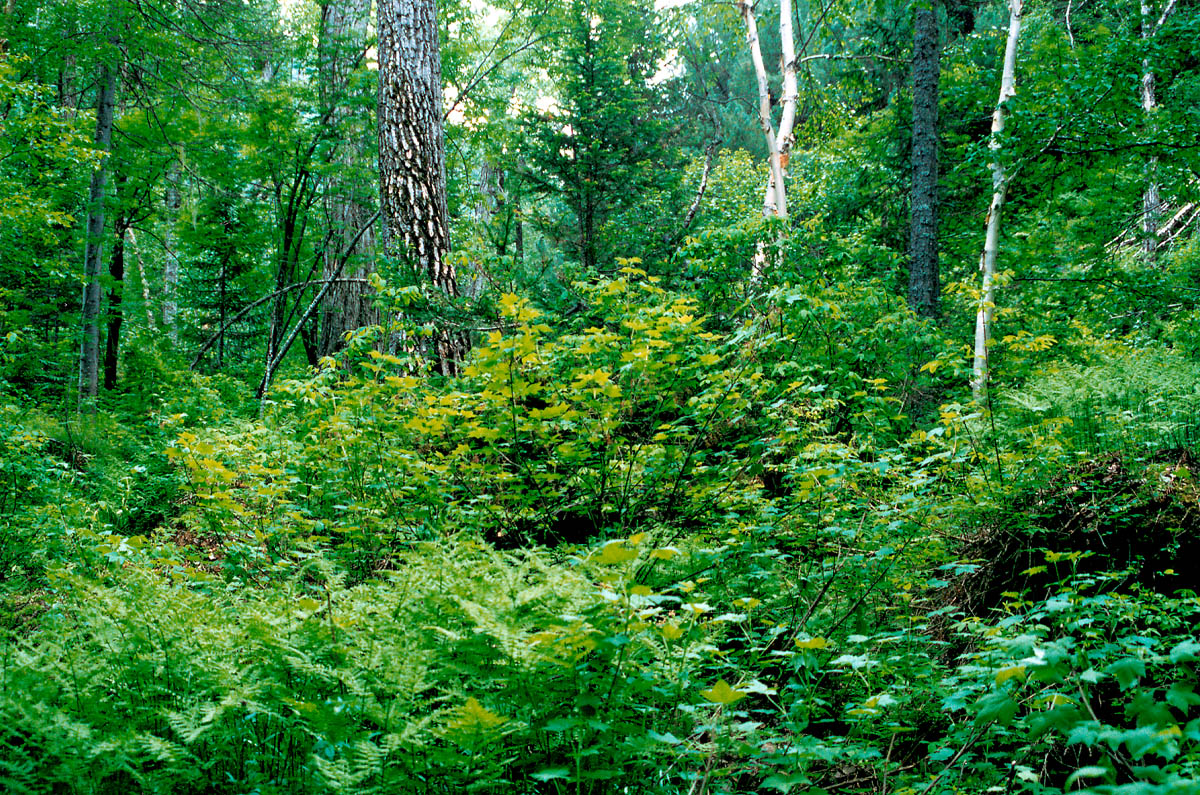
(673, 240)
(828, 56)
(312, 307)
(248, 308)
(478, 78)
(1166, 13)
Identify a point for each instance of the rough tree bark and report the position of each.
(987, 261)
(412, 158)
(924, 285)
(89, 357)
(341, 48)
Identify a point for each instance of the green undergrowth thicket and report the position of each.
(644, 550)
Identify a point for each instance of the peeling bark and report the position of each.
(779, 142)
(116, 314)
(1152, 204)
(172, 202)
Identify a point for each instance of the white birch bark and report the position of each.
(170, 306)
(1152, 206)
(779, 142)
(987, 261)
(147, 306)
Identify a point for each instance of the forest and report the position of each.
(599, 397)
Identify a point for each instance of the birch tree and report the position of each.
(1152, 205)
(779, 141)
(412, 157)
(987, 261)
(170, 300)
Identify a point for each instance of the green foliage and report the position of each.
(1144, 399)
(44, 162)
(672, 528)
(602, 150)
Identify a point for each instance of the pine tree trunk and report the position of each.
(89, 358)
(924, 286)
(412, 160)
(987, 261)
(342, 45)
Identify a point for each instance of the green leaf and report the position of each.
(722, 693)
(1182, 695)
(996, 708)
(615, 552)
(1091, 771)
(782, 783)
(1012, 672)
(550, 773)
(1127, 671)
(668, 738)
(1188, 651)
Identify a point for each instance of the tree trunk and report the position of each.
(1152, 206)
(342, 45)
(924, 286)
(519, 234)
(987, 261)
(147, 305)
(779, 143)
(170, 306)
(412, 159)
(222, 309)
(8, 15)
(93, 249)
(116, 316)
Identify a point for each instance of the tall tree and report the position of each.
(348, 202)
(987, 261)
(89, 358)
(924, 286)
(1152, 205)
(172, 202)
(600, 147)
(779, 143)
(412, 157)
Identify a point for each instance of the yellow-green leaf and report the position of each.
(474, 717)
(812, 643)
(615, 552)
(722, 693)
(1012, 672)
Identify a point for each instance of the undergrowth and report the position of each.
(645, 551)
